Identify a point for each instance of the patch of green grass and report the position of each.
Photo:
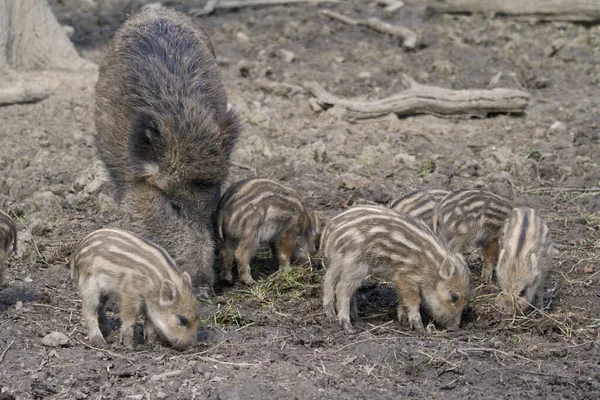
(287, 283)
(226, 314)
(427, 167)
(533, 154)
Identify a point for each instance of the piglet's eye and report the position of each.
(454, 297)
(183, 321)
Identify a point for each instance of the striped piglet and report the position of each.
(259, 211)
(8, 238)
(147, 282)
(375, 241)
(526, 252)
(472, 217)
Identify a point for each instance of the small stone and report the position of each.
(161, 395)
(364, 75)
(242, 37)
(339, 60)
(55, 339)
(287, 56)
(314, 105)
(27, 280)
(47, 202)
(558, 127)
(68, 30)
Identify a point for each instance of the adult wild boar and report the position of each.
(164, 133)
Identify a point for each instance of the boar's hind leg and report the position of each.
(227, 255)
(332, 277)
(130, 309)
(90, 307)
(243, 255)
(490, 255)
(408, 294)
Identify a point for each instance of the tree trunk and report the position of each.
(32, 39)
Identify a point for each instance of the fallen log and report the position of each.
(409, 38)
(422, 99)
(543, 10)
(213, 5)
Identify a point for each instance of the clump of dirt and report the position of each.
(273, 340)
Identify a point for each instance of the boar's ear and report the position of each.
(229, 127)
(168, 293)
(187, 280)
(533, 264)
(145, 142)
(446, 269)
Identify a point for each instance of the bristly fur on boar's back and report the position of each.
(160, 66)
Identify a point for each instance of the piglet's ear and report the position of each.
(187, 280)
(446, 269)
(145, 142)
(168, 293)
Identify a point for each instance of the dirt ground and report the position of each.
(273, 341)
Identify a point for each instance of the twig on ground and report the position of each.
(53, 307)
(110, 353)
(227, 363)
(6, 350)
(557, 189)
(213, 5)
(423, 99)
(409, 37)
(544, 10)
(391, 5)
(495, 352)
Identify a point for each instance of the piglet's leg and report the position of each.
(130, 309)
(243, 255)
(408, 294)
(490, 255)
(227, 256)
(286, 247)
(102, 318)
(149, 330)
(344, 292)
(539, 296)
(90, 305)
